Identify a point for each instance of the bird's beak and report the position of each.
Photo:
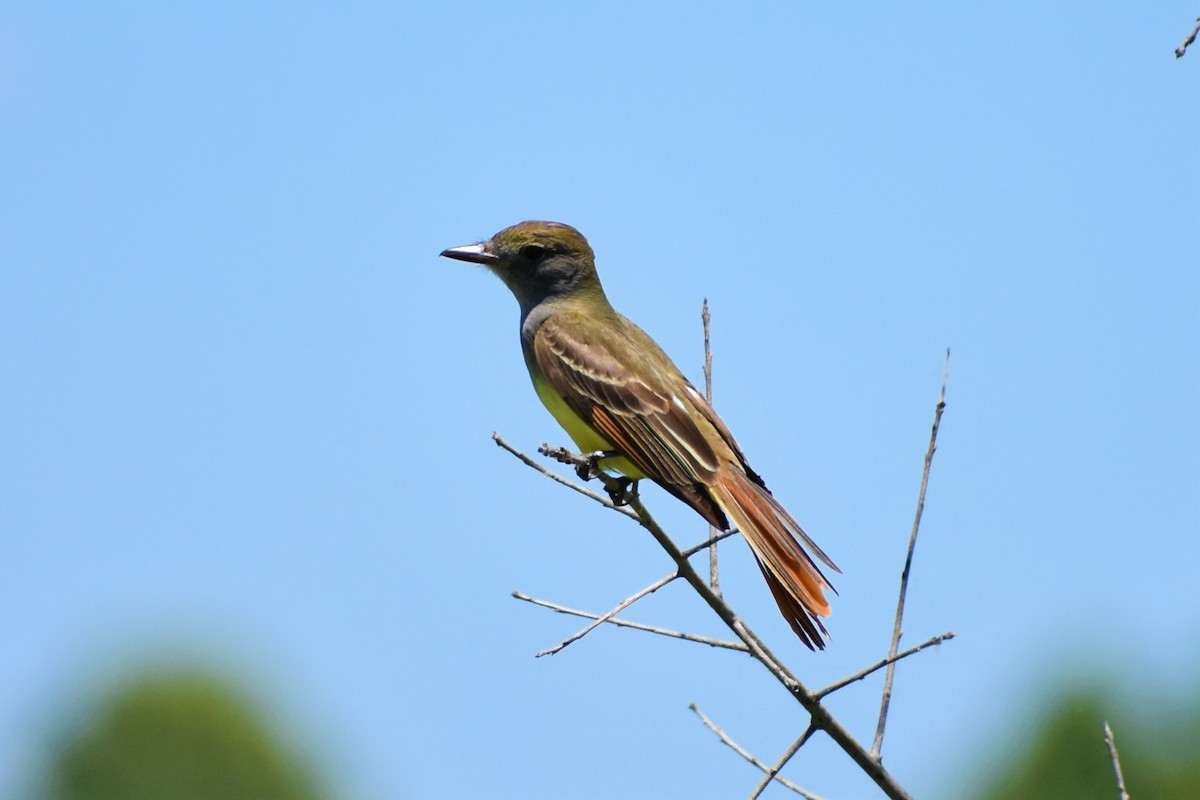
(476, 253)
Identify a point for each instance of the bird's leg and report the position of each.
(628, 489)
(615, 485)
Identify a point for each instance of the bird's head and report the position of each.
(537, 260)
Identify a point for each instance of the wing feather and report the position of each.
(640, 413)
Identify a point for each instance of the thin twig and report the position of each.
(605, 617)
(529, 462)
(714, 575)
(1112, 751)
(565, 456)
(724, 737)
(858, 676)
(1179, 51)
(773, 772)
(877, 746)
(691, 551)
(624, 623)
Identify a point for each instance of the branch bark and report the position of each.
(714, 572)
(1116, 761)
(1182, 49)
(877, 746)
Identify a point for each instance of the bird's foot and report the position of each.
(617, 486)
(590, 466)
(619, 491)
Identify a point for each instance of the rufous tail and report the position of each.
(796, 582)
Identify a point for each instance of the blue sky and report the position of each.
(248, 409)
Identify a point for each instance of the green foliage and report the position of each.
(1065, 756)
(176, 737)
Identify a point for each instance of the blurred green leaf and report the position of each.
(177, 737)
(1065, 756)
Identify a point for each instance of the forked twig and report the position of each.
(741, 751)
(637, 626)
(773, 772)
(605, 617)
(877, 746)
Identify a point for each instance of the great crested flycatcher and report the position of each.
(614, 390)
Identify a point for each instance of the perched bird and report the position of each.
(614, 390)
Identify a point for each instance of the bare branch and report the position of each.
(624, 623)
(821, 716)
(724, 737)
(605, 617)
(706, 318)
(870, 765)
(1179, 51)
(877, 746)
(773, 772)
(858, 676)
(1112, 743)
(714, 573)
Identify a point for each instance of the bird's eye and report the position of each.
(533, 252)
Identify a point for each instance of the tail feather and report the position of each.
(806, 626)
(795, 580)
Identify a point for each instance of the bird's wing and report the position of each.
(641, 413)
(665, 427)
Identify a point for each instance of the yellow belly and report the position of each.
(587, 438)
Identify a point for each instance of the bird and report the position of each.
(616, 393)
